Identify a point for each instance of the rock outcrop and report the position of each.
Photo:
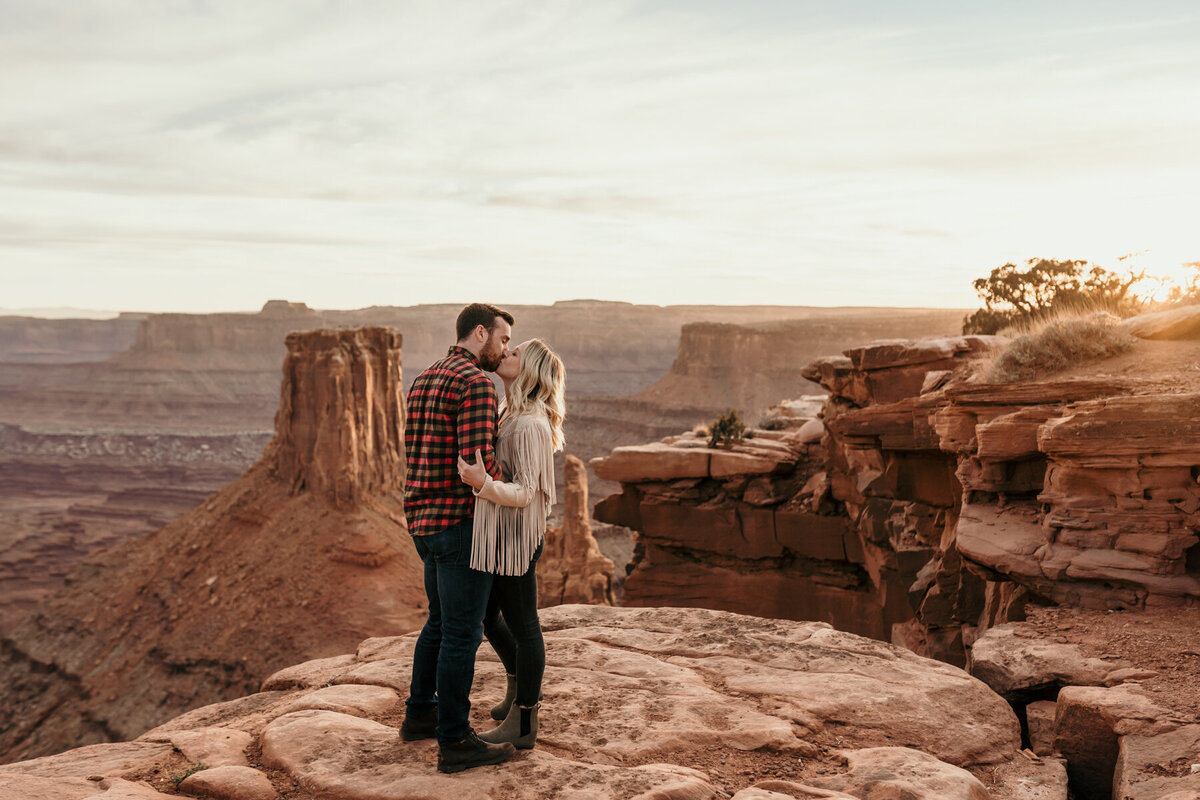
(934, 506)
(730, 364)
(657, 704)
(301, 557)
(119, 421)
(572, 569)
(1176, 323)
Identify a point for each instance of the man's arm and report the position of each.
(477, 425)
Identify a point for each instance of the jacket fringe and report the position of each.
(504, 537)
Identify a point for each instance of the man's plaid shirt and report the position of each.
(451, 412)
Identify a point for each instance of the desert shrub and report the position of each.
(1046, 289)
(772, 422)
(180, 777)
(726, 430)
(1056, 345)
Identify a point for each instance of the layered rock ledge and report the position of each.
(933, 506)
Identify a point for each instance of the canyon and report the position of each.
(110, 429)
(912, 503)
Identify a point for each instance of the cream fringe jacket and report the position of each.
(510, 516)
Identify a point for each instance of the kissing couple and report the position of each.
(479, 488)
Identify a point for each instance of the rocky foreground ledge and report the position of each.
(656, 704)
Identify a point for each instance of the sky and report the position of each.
(163, 155)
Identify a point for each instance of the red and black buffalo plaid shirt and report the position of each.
(451, 412)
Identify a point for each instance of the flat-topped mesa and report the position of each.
(217, 341)
(339, 431)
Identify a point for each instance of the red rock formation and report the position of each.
(572, 569)
(747, 529)
(724, 365)
(300, 557)
(954, 503)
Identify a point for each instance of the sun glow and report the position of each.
(1164, 274)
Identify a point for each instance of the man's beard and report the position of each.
(489, 361)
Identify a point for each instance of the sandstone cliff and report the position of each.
(723, 365)
(107, 451)
(933, 507)
(32, 340)
(301, 557)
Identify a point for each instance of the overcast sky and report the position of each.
(202, 156)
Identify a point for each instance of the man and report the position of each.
(451, 412)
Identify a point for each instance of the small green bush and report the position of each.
(726, 430)
(1056, 346)
(180, 777)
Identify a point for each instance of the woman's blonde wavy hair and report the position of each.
(538, 387)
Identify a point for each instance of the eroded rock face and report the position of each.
(303, 555)
(572, 569)
(646, 703)
(934, 507)
(746, 529)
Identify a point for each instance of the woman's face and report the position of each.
(510, 365)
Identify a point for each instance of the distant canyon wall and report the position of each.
(32, 340)
(750, 366)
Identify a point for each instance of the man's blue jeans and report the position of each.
(444, 658)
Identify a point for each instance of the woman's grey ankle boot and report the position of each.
(520, 727)
(500, 710)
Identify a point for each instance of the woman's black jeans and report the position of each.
(512, 626)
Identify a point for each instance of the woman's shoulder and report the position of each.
(534, 418)
(529, 423)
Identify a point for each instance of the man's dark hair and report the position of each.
(479, 314)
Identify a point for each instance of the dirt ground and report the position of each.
(1169, 367)
(1163, 640)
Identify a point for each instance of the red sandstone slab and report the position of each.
(652, 462)
(1126, 426)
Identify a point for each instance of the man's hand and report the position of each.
(474, 475)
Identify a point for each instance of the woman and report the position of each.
(510, 524)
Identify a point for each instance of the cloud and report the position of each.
(616, 149)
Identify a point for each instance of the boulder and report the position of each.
(1087, 724)
(652, 462)
(114, 759)
(308, 674)
(1175, 323)
(230, 783)
(354, 699)
(1151, 767)
(16, 785)
(898, 772)
(216, 747)
(1012, 658)
(817, 677)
